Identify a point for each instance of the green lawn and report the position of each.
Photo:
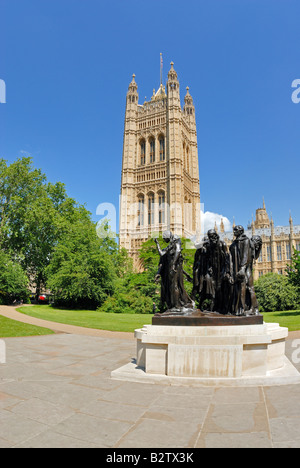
(89, 318)
(11, 328)
(288, 318)
(113, 322)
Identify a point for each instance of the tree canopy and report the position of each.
(81, 273)
(52, 239)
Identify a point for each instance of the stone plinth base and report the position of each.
(211, 355)
(208, 319)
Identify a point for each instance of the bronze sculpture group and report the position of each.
(222, 278)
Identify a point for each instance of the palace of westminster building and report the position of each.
(278, 246)
(160, 187)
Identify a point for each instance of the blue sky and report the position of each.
(67, 65)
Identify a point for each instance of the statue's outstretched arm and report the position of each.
(160, 251)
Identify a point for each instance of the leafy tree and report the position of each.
(40, 231)
(34, 215)
(275, 293)
(123, 264)
(20, 184)
(23, 207)
(13, 281)
(294, 270)
(81, 273)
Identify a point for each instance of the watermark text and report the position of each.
(296, 93)
(2, 352)
(2, 92)
(296, 352)
(147, 218)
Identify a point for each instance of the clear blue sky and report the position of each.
(67, 65)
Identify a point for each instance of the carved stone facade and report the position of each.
(278, 246)
(160, 173)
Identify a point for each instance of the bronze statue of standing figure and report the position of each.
(170, 271)
(243, 252)
(213, 273)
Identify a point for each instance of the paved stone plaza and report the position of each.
(56, 391)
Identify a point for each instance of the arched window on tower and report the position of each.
(279, 253)
(161, 140)
(150, 209)
(187, 159)
(143, 152)
(161, 207)
(152, 150)
(141, 210)
(190, 214)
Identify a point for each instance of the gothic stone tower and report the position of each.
(160, 173)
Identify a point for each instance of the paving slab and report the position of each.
(57, 391)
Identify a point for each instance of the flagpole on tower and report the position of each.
(161, 68)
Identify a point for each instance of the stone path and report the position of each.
(56, 391)
(12, 313)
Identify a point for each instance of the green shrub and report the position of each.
(275, 293)
(128, 303)
(293, 270)
(13, 281)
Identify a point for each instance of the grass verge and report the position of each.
(287, 318)
(11, 328)
(113, 322)
(88, 318)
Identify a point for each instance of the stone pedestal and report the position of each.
(211, 355)
(217, 351)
